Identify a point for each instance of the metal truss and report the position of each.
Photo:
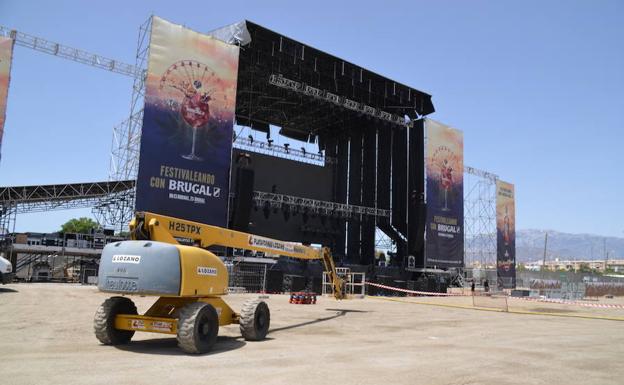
(74, 54)
(27, 199)
(42, 206)
(127, 135)
(281, 151)
(7, 221)
(479, 217)
(316, 206)
(480, 173)
(124, 162)
(279, 80)
(14, 195)
(115, 210)
(124, 156)
(383, 241)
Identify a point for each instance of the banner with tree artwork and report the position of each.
(505, 235)
(186, 142)
(444, 168)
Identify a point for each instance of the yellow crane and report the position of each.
(189, 281)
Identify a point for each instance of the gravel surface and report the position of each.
(46, 337)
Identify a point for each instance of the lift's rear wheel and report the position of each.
(198, 326)
(104, 321)
(255, 319)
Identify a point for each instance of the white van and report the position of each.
(6, 271)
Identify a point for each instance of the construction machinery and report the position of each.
(190, 282)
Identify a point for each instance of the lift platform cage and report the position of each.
(355, 283)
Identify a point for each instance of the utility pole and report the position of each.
(544, 260)
(606, 253)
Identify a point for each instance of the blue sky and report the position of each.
(536, 86)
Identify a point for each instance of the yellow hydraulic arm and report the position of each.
(162, 228)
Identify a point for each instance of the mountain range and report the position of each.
(565, 246)
(530, 246)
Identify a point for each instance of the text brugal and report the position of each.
(449, 228)
(195, 188)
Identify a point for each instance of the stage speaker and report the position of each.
(274, 281)
(244, 198)
(399, 180)
(416, 203)
(293, 283)
(317, 285)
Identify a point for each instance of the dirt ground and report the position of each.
(46, 337)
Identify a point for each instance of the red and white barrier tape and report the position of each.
(414, 291)
(547, 300)
(576, 303)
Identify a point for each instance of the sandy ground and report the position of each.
(46, 337)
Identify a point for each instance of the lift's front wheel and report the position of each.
(198, 327)
(104, 321)
(255, 319)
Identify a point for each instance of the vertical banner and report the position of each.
(444, 167)
(505, 235)
(6, 55)
(186, 142)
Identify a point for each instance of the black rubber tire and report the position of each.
(198, 327)
(104, 321)
(255, 319)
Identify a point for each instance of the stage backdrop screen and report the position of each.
(6, 55)
(298, 179)
(186, 143)
(505, 235)
(444, 167)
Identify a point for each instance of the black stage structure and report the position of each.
(369, 127)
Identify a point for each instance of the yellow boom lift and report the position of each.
(189, 281)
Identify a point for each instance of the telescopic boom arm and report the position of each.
(162, 228)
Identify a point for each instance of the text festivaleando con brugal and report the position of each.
(180, 181)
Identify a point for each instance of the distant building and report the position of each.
(617, 265)
(66, 257)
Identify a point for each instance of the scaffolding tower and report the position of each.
(117, 210)
(479, 217)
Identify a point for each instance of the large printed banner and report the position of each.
(505, 235)
(444, 167)
(186, 143)
(6, 55)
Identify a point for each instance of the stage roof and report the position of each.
(308, 92)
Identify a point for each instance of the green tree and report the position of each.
(584, 268)
(610, 270)
(82, 225)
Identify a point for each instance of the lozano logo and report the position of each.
(121, 258)
(202, 270)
